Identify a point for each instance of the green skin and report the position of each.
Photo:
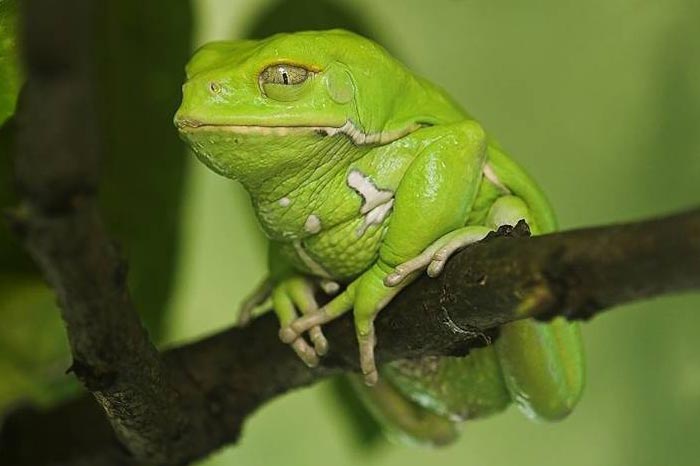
(364, 174)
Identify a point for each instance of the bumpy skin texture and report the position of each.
(364, 175)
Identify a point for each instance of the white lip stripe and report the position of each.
(349, 129)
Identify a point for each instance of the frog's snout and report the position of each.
(183, 123)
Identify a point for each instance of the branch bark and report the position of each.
(57, 176)
(223, 378)
(172, 407)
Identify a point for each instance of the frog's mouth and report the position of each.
(188, 126)
(348, 129)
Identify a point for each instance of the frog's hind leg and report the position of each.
(423, 401)
(402, 420)
(542, 363)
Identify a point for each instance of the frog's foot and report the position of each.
(294, 294)
(463, 238)
(365, 311)
(434, 257)
(294, 330)
(305, 352)
(371, 297)
(256, 299)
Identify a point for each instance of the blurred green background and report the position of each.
(600, 100)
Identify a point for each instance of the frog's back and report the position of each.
(431, 105)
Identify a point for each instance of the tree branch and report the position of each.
(223, 378)
(169, 408)
(56, 173)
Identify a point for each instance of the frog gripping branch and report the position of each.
(363, 176)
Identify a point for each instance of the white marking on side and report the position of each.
(375, 216)
(376, 203)
(284, 202)
(371, 196)
(313, 224)
(309, 262)
(493, 178)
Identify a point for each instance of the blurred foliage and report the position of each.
(13, 260)
(307, 15)
(140, 59)
(9, 69)
(33, 352)
(141, 54)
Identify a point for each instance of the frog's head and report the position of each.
(315, 82)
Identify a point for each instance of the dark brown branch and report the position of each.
(226, 376)
(576, 274)
(56, 171)
(172, 407)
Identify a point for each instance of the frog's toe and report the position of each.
(417, 264)
(453, 242)
(403, 271)
(441, 256)
(438, 262)
(396, 277)
(319, 340)
(301, 292)
(305, 352)
(309, 320)
(287, 334)
(256, 299)
(367, 363)
(329, 287)
(244, 316)
(372, 378)
(312, 320)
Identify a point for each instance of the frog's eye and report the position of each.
(284, 74)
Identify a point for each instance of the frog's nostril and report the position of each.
(214, 87)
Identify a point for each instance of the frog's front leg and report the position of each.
(433, 198)
(366, 295)
(255, 299)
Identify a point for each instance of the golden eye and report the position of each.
(284, 74)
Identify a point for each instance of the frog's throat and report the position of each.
(349, 129)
